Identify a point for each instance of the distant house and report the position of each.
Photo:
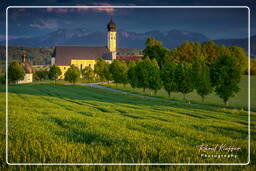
(82, 56)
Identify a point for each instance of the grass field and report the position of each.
(78, 124)
(239, 101)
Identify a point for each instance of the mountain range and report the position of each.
(81, 36)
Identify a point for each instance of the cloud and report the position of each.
(45, 24)
(109, 11)
(58, 10)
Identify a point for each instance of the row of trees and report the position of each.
(204, 68)
(192, 66)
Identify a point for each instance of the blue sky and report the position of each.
(214, 23)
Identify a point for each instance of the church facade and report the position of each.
(28, 77)
(82, 56)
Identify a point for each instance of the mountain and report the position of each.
(125, 39)
(170, 39)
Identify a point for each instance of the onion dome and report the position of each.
(111, 26)
(27, 68)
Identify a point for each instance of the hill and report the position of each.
(243, 43)
(170, 39)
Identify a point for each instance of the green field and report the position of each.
(239, 101)
(78, 124)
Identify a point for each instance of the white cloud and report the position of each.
(45, 24)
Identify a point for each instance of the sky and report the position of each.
(214, 23)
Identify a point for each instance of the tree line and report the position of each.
(193, 66)
(205, 68)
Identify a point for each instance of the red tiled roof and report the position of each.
(128, 58)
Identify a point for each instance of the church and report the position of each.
(82, 56)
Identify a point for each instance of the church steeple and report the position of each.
(112, 38)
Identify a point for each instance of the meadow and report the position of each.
(240, 100)
(78, 124)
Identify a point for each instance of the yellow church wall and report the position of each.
(112, 41)
(63, 69)
(81, 64)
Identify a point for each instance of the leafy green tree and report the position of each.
(168, 77)
(73, 74)
(54, 72)
(252, 67)
(201, 79)
(185, 52)
(240, 57)
(119, 71)
(15, 72)
(209, 49)
(132, 74)
(88, 73)
(41, 75)
(197, 54)
(150, 42)
(2, 79)
(143, 73)
(183, 79)
(101, 68)
(155, 82)
(154, 50)
(225, 76)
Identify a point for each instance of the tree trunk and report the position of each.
(155, 92)
(116, 85)
(169, 94)
(225, 102)
(202, 98)
(144, 89)
(184, 96)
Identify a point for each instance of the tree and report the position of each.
(252, 66)
(41, 75)
(73, 74)
(119, 71)
(88, 73)
(201, 79)
(143, 72)
(150, 42)
(155, 82)
(185, 52)
(209, 49)
(2, 79)
(168, 77)
(225, 76)
(132, 74)
(15, 72)
(54, 72)
(240, 57)
(101, 68)
(183, 79)
(154, 50)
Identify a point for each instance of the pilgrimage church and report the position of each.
(82, 56)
